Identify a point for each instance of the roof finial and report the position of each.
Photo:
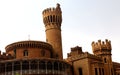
(29, 37)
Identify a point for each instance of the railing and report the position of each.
(19, 72)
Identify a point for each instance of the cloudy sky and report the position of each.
(84, 21)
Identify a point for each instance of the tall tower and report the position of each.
(52, 18)
(103, 49)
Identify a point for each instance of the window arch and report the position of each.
(25, 53)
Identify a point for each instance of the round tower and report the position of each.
(52, 18)
(103, 49)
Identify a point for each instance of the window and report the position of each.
(111, 71)
(96, 73)
(99, 71)
(105, 60)
(49, 66)
(25, 65)
(80, 71)
(102, 71)
(9, 67)
(25, 53)
(55, 65)
(42, 65)
(17, 66)
(33, 65)
(15, 53)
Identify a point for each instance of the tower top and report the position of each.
(101, 46)
(52, 10)
(53, 16)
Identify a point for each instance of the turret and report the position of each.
(103, 49)
(52, 18)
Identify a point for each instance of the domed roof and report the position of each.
(28, 44)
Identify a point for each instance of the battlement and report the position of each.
(52, 10)
(101, 45)
(84, 55)
(76, 48)
(75, 51)
(52, 16)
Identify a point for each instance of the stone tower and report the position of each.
(103, 49)
(52, 18)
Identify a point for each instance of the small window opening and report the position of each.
(105, 60)
(96, 73)
(80, 71)
(25, 53)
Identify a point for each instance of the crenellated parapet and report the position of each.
(84, 55)
(52, 15)
(52, 10)
(76, 48)
(75, 51)
(101, 46)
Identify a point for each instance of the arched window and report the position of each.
(42, 65)
(105, 60)
(9, 67)
(25, 65)
(49, 66)
(80, 71)
(53, 18)
(25, 53)
(34, 64)
(55, 65)
(2, 67)
(60, 66)
(16, 66)
(96, 72)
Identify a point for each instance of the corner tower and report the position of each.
(52, 18)
(103, 49)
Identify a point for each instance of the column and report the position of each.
(46, 66)
(58, 69)
(102, 71)
(21, 67)
(29, 67)
(98, 71)
(38, 66)
(5, 68)
(53, 67)
(12, 68)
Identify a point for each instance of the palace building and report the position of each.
(32, 57)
